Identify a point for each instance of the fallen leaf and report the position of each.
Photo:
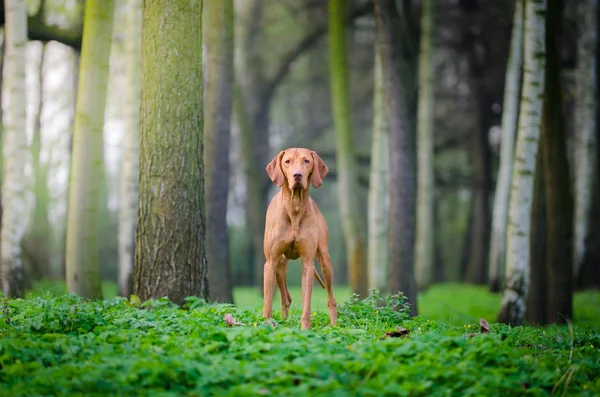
(485, 327)
(231, 321)
(399, 333)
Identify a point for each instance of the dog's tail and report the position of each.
(319, 279)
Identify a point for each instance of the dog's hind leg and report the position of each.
(327, 270)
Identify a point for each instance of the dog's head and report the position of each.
(295, 166)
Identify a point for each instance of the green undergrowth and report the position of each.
(64, 345)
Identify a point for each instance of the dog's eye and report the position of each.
(306, 161)
(287, 161)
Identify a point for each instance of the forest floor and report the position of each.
(63, 345)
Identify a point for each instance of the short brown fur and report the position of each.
(295, 228)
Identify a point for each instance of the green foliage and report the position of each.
(65, 345)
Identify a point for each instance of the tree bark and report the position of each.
(378, 200)
(510, 115)
(512, 310)
(424, 239)
(217, 124)
(536, 298)
(14, 149)
(352, 222)
(169, 253)
(402, 163)
(131, 148)
(87, 164)
(559, 199)
(585, 122)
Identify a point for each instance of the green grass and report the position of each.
(450, 303)
(42, 288)
(63, 345)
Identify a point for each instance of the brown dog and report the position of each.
(295, 228)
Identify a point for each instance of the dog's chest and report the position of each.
(292, 244)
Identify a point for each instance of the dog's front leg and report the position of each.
(269, 288)
(308, 274)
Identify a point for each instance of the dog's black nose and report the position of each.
(297, 175)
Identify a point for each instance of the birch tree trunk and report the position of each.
(378, 200)
(36, 242)
(424, 248)
(14, 148)
(87, 164)
(170, 257)
(585, 125)
(219, 44)
(352, 223)
(512, 308)
(402, 167)
(131, 147)
(510, 115)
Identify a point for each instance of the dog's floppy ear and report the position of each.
(319, 170)
(274, 170)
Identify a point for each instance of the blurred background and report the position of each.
(283, 74)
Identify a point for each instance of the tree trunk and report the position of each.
(36, 242)
(585, 121)
(512, 310)
(510, 115)
(536, 299)
(14, 149)
(439, 269)
(559, 200)
(478, 51)
(424, 239)
(169, 252)
(378, 186)
(256, 206)
(131, 148)
(352, 222)
(108, 230)
(60, 272)
(402, 163)
(219, 90)
(589, 275)
(465, 252)
(87, 164)
(476, 269)
(254, 132)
